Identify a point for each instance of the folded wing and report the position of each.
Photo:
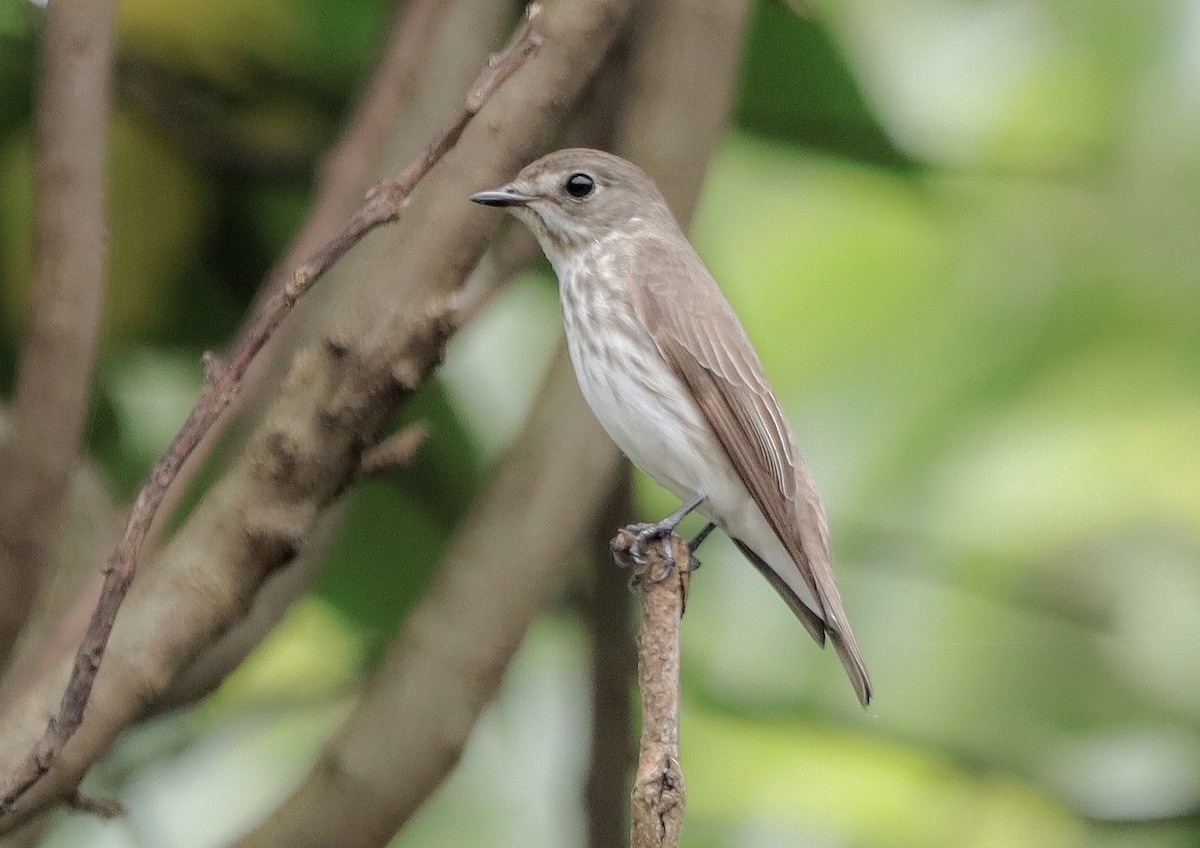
(701, 338)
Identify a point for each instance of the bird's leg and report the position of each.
(662, 530)
(697, 541)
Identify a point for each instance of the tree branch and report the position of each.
(91, 526)
(341, 180)
(222, 383)
(68, 286)
(337, 394)
(682, 52)
(658, 788)
(415, 716)
(375, 142)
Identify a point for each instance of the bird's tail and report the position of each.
(847, 649)
(838, 631)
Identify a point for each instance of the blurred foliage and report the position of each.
(155, 190)
(796, 86)
(963, 236)
(393, 539)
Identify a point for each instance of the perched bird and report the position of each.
(669, 372)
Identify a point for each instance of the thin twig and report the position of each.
(105, 808)
(394, 452)
(340, 183)
(68, 286)
(345, 170)
(658, 789)
(222, 383)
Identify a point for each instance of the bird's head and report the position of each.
(576, 196)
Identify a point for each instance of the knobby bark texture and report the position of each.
(502, 567)
(67, 292)
(659, 794)
(452, 37)
(300, 460)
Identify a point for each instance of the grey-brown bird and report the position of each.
(670, 373)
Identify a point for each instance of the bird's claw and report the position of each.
(648, 533)
(631, 550)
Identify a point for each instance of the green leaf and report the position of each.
(396, 533)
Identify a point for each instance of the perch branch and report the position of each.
(68, 286)
(658, 789)
(222, 382)
(682, 52)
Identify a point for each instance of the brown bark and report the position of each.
(408, 730)
(452, 37)
(67, 292)
(659, 793)
(260, 514)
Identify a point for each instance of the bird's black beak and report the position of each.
(503, 196)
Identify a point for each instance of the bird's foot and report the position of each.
(641, 547)
(632, 549)
(698, 540)
(632, 544)
(648, 534)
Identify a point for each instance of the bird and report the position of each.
(669, 372)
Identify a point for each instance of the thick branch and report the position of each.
(68, 286)
(416, 714)
(393, 120)
(223, 382)
(342, 178)
(658, 789)
(262, 510)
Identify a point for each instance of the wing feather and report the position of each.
(701, 338)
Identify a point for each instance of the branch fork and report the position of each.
(223, 380)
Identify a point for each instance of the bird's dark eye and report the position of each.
(579, 185)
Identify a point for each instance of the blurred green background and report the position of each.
(965, 237)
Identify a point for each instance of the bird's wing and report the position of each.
(701, 338)
(698, 334)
